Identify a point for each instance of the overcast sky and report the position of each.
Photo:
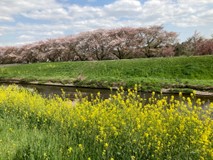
(26, 21)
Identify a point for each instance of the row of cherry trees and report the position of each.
(104, 44)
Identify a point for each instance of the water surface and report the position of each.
(70, 92)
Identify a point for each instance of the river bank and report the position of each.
(154, 74)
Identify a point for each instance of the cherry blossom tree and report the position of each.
(123, 43)
(205, 47)
(153, 39)
(99, 44)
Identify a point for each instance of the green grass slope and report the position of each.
(152, 73)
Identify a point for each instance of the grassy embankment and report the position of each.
(119, 128)
(152, 73)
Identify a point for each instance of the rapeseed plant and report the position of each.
(125, 126)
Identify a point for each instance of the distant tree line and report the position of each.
(103, 44)
(195, 45)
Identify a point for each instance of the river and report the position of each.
(50, 90)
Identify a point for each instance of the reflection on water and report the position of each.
(48, 90)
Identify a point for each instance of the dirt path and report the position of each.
(8, 65)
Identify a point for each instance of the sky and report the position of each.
(28, 21)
